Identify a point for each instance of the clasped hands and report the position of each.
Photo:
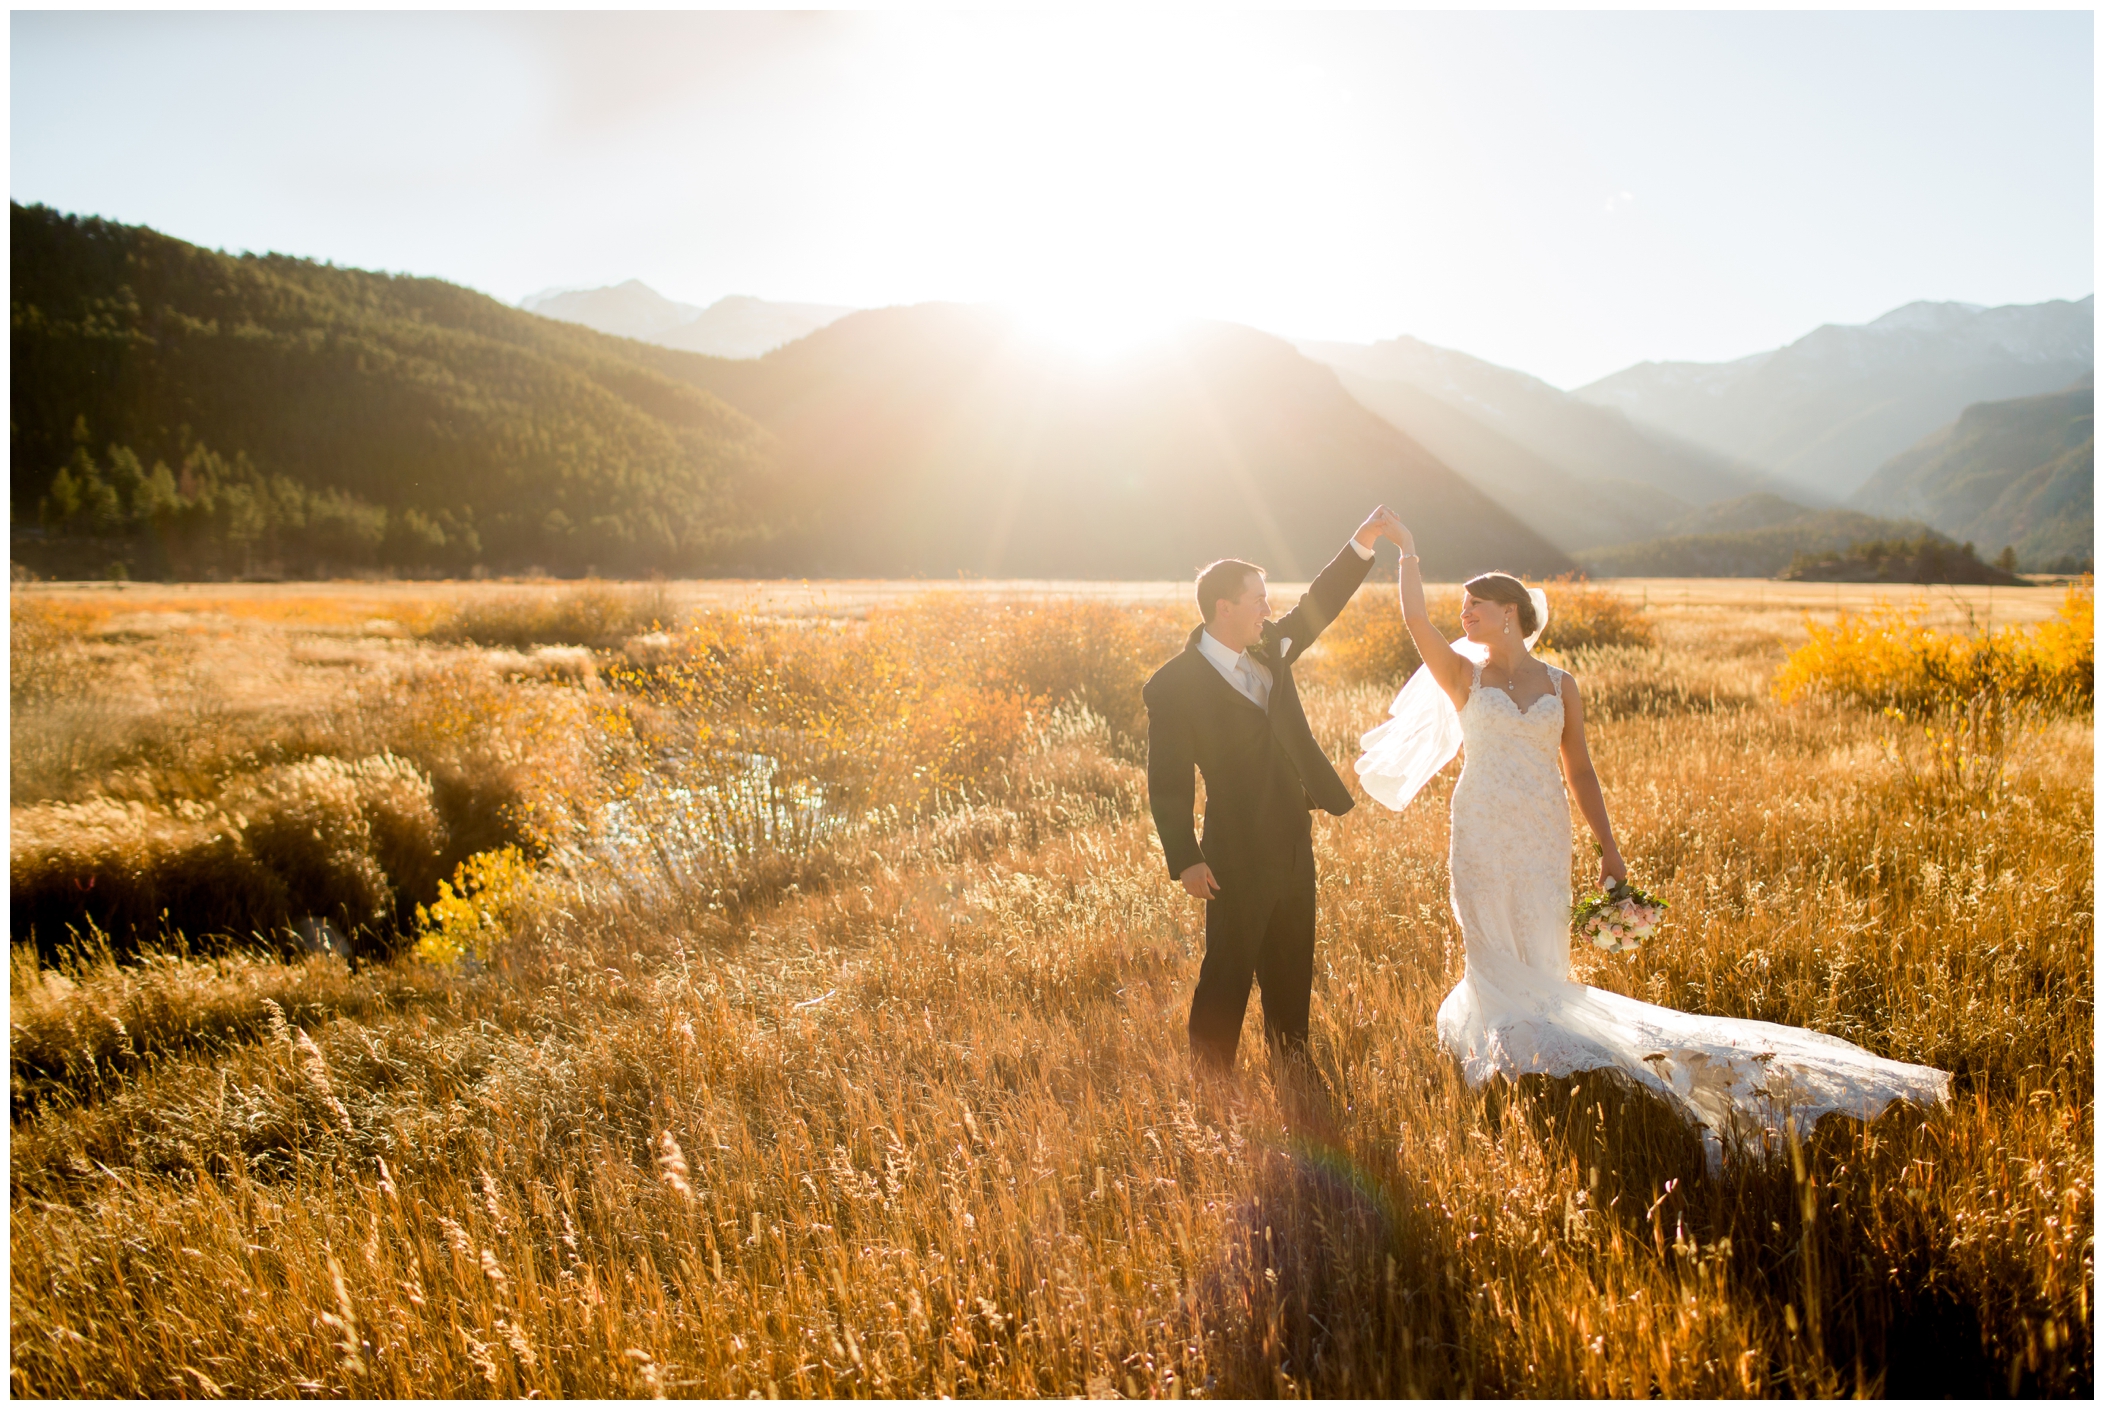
(1385, 523)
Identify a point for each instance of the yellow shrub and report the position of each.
(1582, 616)
(1889, 659)
(476, 909)
(2064, 649)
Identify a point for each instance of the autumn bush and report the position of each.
(1583, 616)
(1888, 658)
(477, 907)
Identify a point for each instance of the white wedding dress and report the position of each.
(1742, 1082)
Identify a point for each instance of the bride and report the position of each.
(1515, 1011)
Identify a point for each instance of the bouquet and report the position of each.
(1617, 918)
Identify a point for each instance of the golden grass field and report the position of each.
(889, 1096)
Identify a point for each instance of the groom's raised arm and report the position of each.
(1327, 596)
(1172, 766)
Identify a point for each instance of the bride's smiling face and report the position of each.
(1483, 620)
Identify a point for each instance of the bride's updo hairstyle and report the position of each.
(1503, 587)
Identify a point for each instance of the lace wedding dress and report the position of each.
(1515, 1011)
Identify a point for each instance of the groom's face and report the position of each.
(1238, 622)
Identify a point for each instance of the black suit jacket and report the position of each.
(1263, 769)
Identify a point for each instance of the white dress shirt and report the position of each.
(1240, 671)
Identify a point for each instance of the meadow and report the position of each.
(776, 990)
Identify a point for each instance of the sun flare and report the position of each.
(1093, 330)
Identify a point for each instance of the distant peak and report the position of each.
(541, 296)
(1926, 315)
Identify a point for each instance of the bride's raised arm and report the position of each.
(1449, 667)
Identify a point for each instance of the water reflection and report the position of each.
(684, 825)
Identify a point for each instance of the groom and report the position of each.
(1227, 706)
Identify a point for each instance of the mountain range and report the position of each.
(943, 437)
(216, 413)
(1579, 474)
(176, 409)
(1825, 412)
(737, 326)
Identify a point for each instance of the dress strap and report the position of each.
(1475, 680)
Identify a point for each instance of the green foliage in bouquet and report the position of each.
(1618, 918)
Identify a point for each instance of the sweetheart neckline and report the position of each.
(1476, 689)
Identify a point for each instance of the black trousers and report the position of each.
(1259, 928)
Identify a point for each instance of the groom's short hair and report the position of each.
(1228, 578)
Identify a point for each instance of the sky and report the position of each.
(1563, 193)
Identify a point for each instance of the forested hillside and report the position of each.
(184, 411)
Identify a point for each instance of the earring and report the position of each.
(1508, 629)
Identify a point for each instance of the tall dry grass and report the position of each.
(210, 776)
(919, 1121)
(752, 756)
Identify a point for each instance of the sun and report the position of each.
(1092, 328)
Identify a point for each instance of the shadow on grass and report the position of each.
(1325, 1285)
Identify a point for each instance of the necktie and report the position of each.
(1252, 683)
